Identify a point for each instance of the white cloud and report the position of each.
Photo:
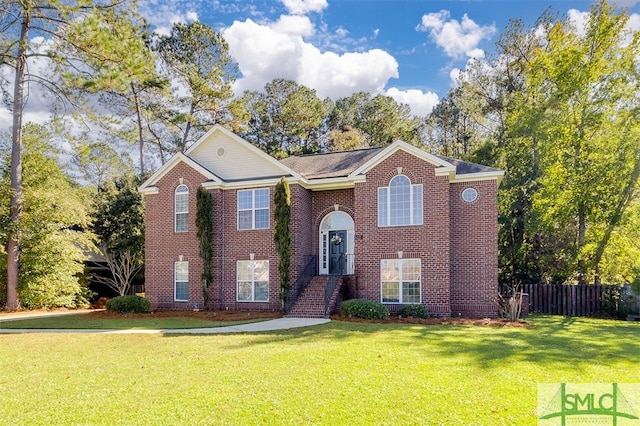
(293, 26)
(579, 20)
(302, 7)
(457, 39)
(265, 52)
(421, 103)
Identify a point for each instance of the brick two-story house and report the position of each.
(395, 225)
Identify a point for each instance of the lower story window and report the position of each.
(253, 280)
(400, 280)
(181, 281)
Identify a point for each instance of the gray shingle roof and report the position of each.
(465, 167)
(329, 165)
(342, 164)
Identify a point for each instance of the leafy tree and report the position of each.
(589, 150)
(118, 214)
(196, 58)
(53, 229)
(282, 235)
(19, 21)
(99, 163)
(118, 223)
(286, 119)
(380, 119)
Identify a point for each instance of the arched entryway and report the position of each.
(336, 244)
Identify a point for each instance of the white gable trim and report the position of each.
(475, 177)
(443, 168)
(149, 186)
(237, 139)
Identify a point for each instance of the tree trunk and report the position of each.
(13, 243)
(582, 230)
(624, 201)
(136, 99)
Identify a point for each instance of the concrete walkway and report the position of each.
(270, 325)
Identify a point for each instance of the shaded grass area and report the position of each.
(144, 322)
(336, 373)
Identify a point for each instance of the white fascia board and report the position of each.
(251, 147)
(245, 184)
(149, 190)
(328, 184)
(475, 177)
(179, 157)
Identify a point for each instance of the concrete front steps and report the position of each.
(311, 304)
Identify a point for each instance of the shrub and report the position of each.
(416, 311)
(129, 304)
(361, 308)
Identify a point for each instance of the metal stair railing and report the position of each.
(301, 283)
(328, 291)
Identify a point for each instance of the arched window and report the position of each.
(400, 203)
(181, 208)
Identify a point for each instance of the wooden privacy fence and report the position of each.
(565, 299)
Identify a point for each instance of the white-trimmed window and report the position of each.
(181, 282)
(253, 209)
(400, 203)
(181, 208)
(400, 281)
(253, 280)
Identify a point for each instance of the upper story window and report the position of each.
(253, 209)
(400, 203)
(181, 208)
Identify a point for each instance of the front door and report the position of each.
(337, 252)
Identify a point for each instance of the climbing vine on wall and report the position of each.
(204, 226)
(282, 236)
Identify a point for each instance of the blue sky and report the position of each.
(411, 50)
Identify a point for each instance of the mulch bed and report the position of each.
(244, 315)
(394, 319)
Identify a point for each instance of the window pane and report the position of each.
(182, 203)
(182, 291)
(262, 291)
(382, 206)
(390, 293)
(411, 270)
(245, 199)
(182, 271)
(400, 201)
(262, 219)
(390, 270)
(410, 292)
(261, 198)
(417, 205)
(244, 290)
(244, 219)
(244, 270)
(182, 222)
(261, 270)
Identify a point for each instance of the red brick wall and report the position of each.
(429, 242)
(457, 243)
(163, 246)
(323, 203)
(474, 250)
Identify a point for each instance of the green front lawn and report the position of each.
(337, 373)
(84, 321)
